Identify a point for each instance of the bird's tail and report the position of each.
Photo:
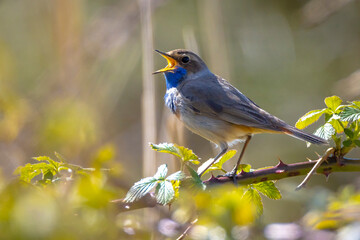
(297, 133)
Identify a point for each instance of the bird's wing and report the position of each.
(217, 98)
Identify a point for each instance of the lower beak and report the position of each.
(171, 63)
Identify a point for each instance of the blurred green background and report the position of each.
(71, 77)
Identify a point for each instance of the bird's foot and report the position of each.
(232, 175)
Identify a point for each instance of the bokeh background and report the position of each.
(75, 77)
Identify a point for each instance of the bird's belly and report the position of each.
(215, 130)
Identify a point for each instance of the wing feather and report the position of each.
(217, 98)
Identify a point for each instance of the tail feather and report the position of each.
(297, 133)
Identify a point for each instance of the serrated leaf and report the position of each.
(325, 131)
(218, 164)
(254, 197)
(333, 102)
(185, 154)
(161, 172)
(350, 114)
(349, 133)
(164, 192)
(140, 188)
(197, 182)
(309, 118)
(347, 143)
(49, 160)
(268, 189)
(176, 176)
(334, 121)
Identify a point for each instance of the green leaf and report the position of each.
(48, 175)
(309, 118)
(161, 172)
(333, 102)
(325, 131)
(185, 154)
(356, 103)
(218, 164)
(349, 133)
(254, 197)
(245, 167)
(334, 121)
(176, 176)
(29, 171)
(357, 142)
(49, 160)
(164, 192)
(347, 143)
(269, 189)
(350, 114)
(197, 182)
(140, 188)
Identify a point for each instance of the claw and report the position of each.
(232, 175)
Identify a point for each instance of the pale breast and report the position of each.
(171, 100)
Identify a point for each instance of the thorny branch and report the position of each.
(280, 171)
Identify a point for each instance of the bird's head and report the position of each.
(182, 59)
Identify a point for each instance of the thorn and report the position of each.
(327, 176)
(309, 159)
(318, 155)
(281, 164)
(242, 172)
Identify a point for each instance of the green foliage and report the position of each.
(165, 187)
(342, 209)
(341, 123)
(268, 189)
(196, 181)
(253, 196)
(184, 154)
(218, 165)
(52, 199)
(49, 169)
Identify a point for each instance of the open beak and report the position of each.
(170, 61)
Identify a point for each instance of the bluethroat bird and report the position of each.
(211, 107)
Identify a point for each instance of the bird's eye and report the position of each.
(185, 59)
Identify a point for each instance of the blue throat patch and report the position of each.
(175, 77)
(172, 81)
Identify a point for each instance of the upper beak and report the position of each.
(171, 63)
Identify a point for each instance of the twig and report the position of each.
(316, 166)
(184, 234)
(280, 171)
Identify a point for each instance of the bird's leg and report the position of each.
(232, 174)
(223, 150)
